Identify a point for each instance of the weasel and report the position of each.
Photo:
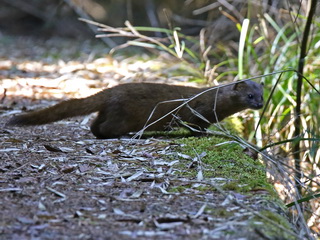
(126, 108)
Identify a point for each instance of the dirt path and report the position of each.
(58, 182)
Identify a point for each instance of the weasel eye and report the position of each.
(250, 96)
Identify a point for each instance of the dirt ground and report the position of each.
(58, 182)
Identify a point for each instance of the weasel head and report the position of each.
(249, 94)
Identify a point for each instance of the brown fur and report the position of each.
(126, 108)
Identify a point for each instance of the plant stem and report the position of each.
(297, 123)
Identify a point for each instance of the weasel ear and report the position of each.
(239, 85)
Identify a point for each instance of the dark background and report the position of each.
(46, 18)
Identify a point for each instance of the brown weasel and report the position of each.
(126, 108)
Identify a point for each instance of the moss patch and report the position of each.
(231, 124)
(219, 212)
(225, 162)
(272, 230)
(225, 159)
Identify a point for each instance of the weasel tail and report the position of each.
(65, 109)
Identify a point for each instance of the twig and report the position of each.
(4, 95)
(297, 123)
(206, 8)
(187, 100)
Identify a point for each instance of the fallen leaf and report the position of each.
(52, 149)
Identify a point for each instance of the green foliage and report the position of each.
(305, 199)
(281, 53)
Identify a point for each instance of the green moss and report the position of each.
(232, 186)
(179, 132)
(225, 159)
(272, 230)
(239, 173)
(231, 124)
(219, 212)
(179, 189)
(205, 188)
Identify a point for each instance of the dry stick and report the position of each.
(232, 9)
(286, 167)
(180, 19)
(263, 152)
(286, 177)
(130, 31)
(186, 101)
(206, 8)
(297, 123)
(152, 40)
(4, 95)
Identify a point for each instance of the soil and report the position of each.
(58, 182)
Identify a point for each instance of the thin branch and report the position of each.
(297, 123)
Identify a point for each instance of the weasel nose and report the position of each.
(259, 105)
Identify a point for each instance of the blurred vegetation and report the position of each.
(59, 17)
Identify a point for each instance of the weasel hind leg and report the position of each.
(96, 127)
(112, 127)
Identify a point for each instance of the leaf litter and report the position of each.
(59, 182)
